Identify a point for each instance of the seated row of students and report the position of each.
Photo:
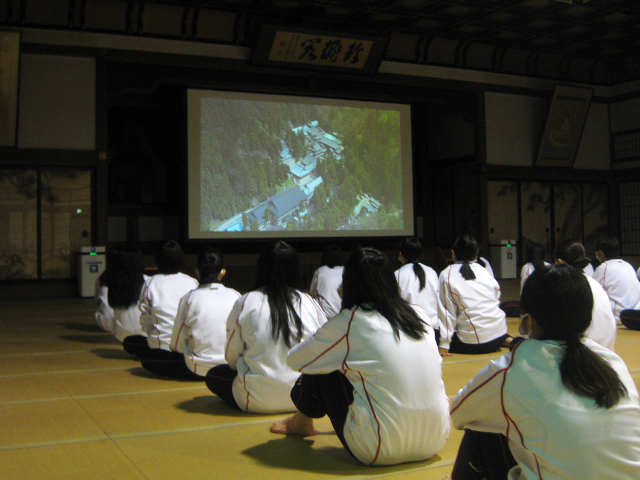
(366, 348)
(375, 371)
(464, 299)
(616, 276)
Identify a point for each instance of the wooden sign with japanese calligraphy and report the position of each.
(319, 50)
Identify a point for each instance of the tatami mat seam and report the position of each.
(124, 394)
(104, 395)
(80, 370)
(55, 444)
(38, 400)
(36, 354)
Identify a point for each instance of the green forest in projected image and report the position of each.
(269, 166)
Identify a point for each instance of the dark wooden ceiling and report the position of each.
(593, 41)
(600, 29)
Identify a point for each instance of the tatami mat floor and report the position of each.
(74, 405)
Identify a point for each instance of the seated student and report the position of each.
(159, 304)
(375, 370)
(327, 279)
(104, 312)
(480, 260)
(617, 277)
(261, 329)
(417, 282)
(558, 406)
(471, 320)
(535, 259)
(630, 317)
(126, 280)
(199, 332)
(603, 328)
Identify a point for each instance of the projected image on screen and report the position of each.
(296, 169)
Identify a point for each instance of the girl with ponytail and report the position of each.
(558, 405)
(199, 332)
(469, 305)
(417, 282)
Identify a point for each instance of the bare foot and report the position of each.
(507, 341)
(444, 352)
(296, 424)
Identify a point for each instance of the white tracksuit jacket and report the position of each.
(619, 280)
(324, 288)
(553, 433)
(264, 380)
(427, 298)
(603, 328)
(400, 408)
(159, 302)
(200, 329)
(469, 307)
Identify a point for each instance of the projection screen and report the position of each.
(269, 166)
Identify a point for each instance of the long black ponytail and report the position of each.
(559, 299)
(465, 249)
(411, 250)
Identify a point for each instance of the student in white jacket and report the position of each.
(471, 320)
(563, 406)
(159, 302)
(417, 282)
(327, 280)
(261, 329)
(199, 334)
(125, 281)
(617, 277)
(104, 312)
(374, 369)
(536, 253)
(603, 328)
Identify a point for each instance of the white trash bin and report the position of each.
(93, 261)
(503, 259)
